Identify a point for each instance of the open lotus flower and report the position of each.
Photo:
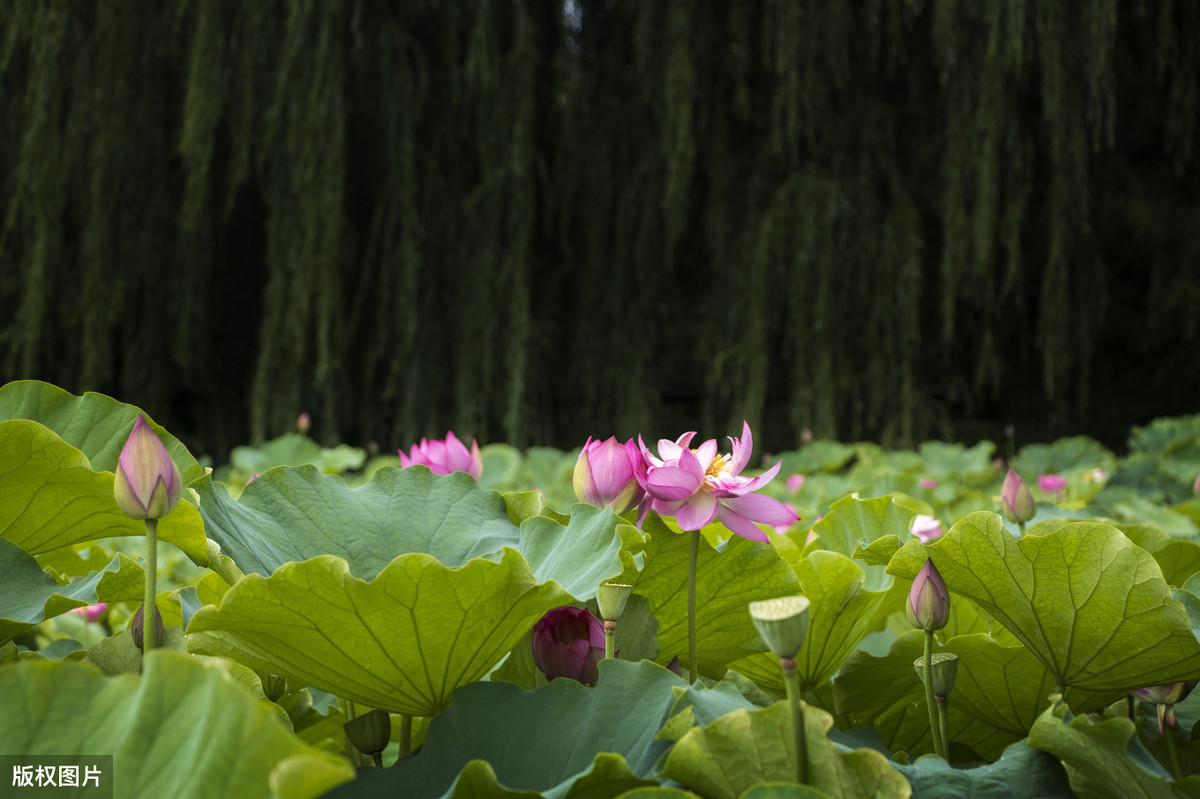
(1165, 696)
(928, 605)
(606, 474)
(697, 486)
(92, 613)
(1016, 498)
(568, 642)
(927, 528)
(445, 456)
(148, 484)
(1052, 483)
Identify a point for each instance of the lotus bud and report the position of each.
(606, 474)
(137, 627)
(944, 667)
(304, 423)
(795, 482)
(1166, 697)
(568, 642)
(929, 485)
(370, 732)
(1017, 499)
(611, 597)
(928, 606)
(673, 667)
(147, 483)
(782, 623)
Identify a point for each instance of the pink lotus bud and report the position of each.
(1017, 499)
(806, 436)
(92, 613)
(1052, 483)
(795, 482)
(928, 605)
(303, 422)
(929, 485)
(147, 484)
(568, 642)
(606, 474)
(445, 456)
(1165, 696)
(138, 625)
(927, 528)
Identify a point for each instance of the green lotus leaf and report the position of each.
(1178, 559)
(1100, 758)
(840, 615)
(958, 463)
(53, 498)
(296, 449)
(658, 792)
(402, 642)
(181, 730)
(580, 555)
(851, 521)
(783, 790)
(29, 596)
(94, 423)
(747, 747)
(726, 583)
(1020, 771)
(1088, 602)
(573, 740)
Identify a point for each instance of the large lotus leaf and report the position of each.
(1020, 771)
(1178, 559)
(581, 554)
(96, 424)
(726, 583)
(840, 615)
(959, 464)
(553, 739)
(402, 642)
(747, 747)
(295, 449)
(28, 595)
(1100, 758)
(851, 520)
(181, 730)
(296, 513)
(53, 498)
(1088, 602)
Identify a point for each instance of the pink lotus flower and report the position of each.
(147, 483)
(783, 528)
(445, 457)
(698, 486)
(568, 642)
(929, 485)
(92, 613)
(927, 528)
(795, 482)
(606, 474)
(1165, 696)
(1052, 483)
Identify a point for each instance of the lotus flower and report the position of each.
(1165, 696)
(568, 642)
(147, 484)
(1017, 499)
(1052, 483)
(795, 482)
(698, 486)
(445, 457)
(928, 605)
(929, 485)
(927, 528)
(92, 613)
(606, 474)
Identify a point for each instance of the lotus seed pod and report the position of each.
(782, 623)
(944, 666)
(611, 597)
(370, 732)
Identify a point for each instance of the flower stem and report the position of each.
(943, 703)
(1173, 754)
(693, 556)
(352, 752)
(150, 610)
(1022, 526)
(610, 634)
(1131, 708)
(927, 678)
(406, 722)
(792, 680)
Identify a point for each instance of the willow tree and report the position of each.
(536, 222)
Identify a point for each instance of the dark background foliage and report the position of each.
(534, 221)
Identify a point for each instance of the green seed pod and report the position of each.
(944, 667)
(370, 732)
(611, 597)
(782, 623)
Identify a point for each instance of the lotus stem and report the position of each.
(1169, 734)
(693, 556)
(931, 705)
(1022, 526)
(610, 634)
(1132, 708)
(352, 753)
(792, 680)
(149, 627)
(943, 703)
(406, 722)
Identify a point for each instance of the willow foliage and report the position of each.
(536, 222)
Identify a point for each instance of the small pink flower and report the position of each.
(927, 528)
(92, 613)
(697, 486)
(445, 456)
(1052, 483)
(929, 485)
(568, 642)
(303, 422)
(795, 482)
